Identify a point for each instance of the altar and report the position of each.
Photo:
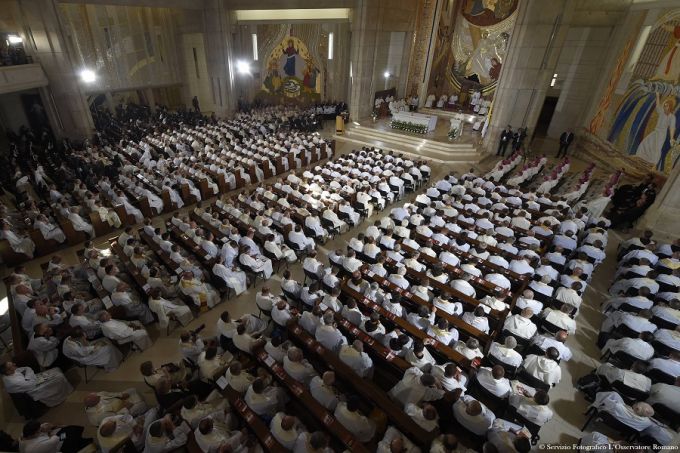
(430, 121)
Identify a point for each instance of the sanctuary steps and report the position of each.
(438, 151)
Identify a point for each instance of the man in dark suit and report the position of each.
(506, 136)
(565, 140)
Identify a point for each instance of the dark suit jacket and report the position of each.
(566, 138)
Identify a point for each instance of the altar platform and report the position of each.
(434, 145)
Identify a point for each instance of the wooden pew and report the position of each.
(131, 269)
(43, 246)
(433, 345)
(19, 340)
(252, 421)
(162, 255)
(464, 329)
(365, 388)
(73, 237)
(469, 257)
(456, 272)
(301, 394)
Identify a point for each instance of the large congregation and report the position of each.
(442, 323)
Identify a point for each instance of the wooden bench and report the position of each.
(365, 388)
(323, 418)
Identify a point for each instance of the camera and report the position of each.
(197, 330)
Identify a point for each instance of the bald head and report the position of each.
(329, 377)
(287, 423)
(295, 354)
(473, 408)
(91, 400)
(107, 428)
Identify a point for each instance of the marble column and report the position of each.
(219, 56)
(364, 34)
(150, 99)
(663, 217)
(535, 45)
(68, 109)
(382, 38)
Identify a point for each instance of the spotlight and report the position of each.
(387, 74)
(14, 39)
(242, 67)
(88, 76)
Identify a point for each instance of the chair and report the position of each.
(327, 289)
(531, 380)
(300, 252)
(522, 343)
(491, 361)
(621, 358)
(493, 402)
(661, 349)
(85, 367)
(625, 431)
(629, 393)
(363, 212)
(667, 414)
(26, 406)
(276, 262)
(533, 428)
(365, 258)
(292, 298)
(266, 313)
(310, 275)
(549, 327)
(658, 376)
(312, 234)
(330, 227)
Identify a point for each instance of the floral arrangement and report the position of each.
(453, 133)
(408, 126)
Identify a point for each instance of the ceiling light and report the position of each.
(242, 67)
(88, 76)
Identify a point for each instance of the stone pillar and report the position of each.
(219, 56)
(422, 54)
(530, 62)
(68, 109)
(382, 37)
(364, 35)
(150, 98)
(663, 216)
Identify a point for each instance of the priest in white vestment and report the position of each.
(125, 331)
(49, 387)
(98, 353)
(165, 309)
(233, 277)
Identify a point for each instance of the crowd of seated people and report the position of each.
(96, 311)
(138, 166)
(247, 237)
(636, 388)
(448, 264)
(384, 348)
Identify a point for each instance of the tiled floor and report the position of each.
(567, 403)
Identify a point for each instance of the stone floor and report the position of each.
(567, 403)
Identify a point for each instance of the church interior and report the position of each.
(339, 225)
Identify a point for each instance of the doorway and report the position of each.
(546, 116)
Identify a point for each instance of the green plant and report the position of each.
(408, 127)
